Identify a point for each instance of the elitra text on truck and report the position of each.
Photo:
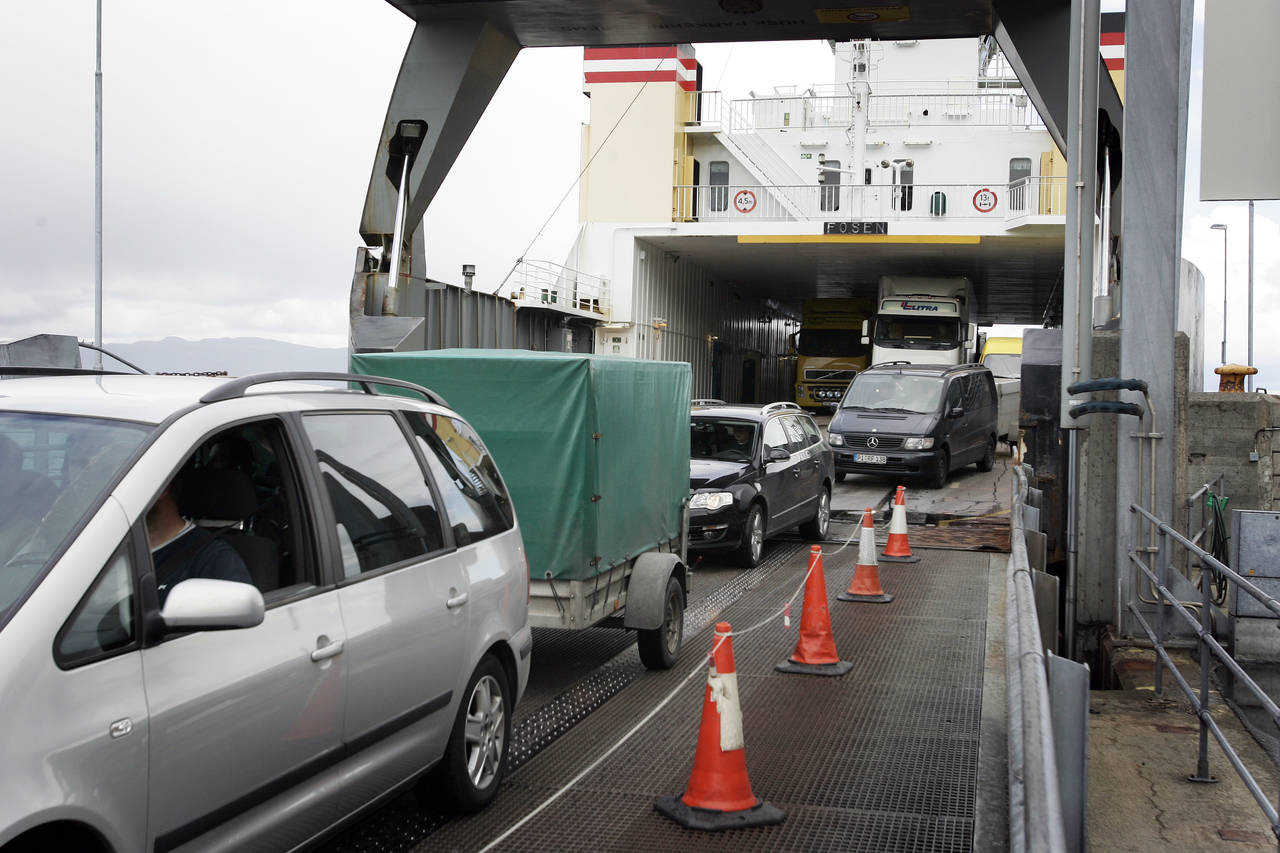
(829, 349)
(595, 454)
(922, 320)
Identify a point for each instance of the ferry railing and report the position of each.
(1011, 204)
(1011, 110)
(1035, 798)
(551, 285)
(1169, 604)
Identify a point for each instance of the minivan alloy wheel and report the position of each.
(485, 731)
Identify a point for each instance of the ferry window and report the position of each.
(903, 193)
(1019, 177)
(719, 184)
(830, 196)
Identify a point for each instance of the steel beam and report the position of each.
(1157, 74)
(450, 72)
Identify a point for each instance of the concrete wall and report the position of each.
(1096, 569)
(1225, 431)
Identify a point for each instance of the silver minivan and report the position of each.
(235, 614)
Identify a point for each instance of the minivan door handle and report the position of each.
(456, 601)
(326, 650)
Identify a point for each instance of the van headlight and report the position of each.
(835, 439)
(711, 500)
(918, 442)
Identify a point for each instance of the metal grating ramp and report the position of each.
(882, 759)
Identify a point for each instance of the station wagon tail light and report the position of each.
(835, 439)
(711, 500)
(918, 442)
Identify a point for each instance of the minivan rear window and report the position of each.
(53, 470)
(895, 392)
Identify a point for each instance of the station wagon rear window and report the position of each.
(53, 472)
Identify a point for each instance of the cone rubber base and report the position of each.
(690, 817)
(837, 668)
(874, 599)
(885, 558)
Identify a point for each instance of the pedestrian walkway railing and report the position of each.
(1035, 800)
(1169, 606)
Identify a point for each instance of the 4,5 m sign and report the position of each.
(744, 201)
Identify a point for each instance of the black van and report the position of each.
(920, 419)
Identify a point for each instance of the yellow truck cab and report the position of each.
(829, 350)
(1003, 357)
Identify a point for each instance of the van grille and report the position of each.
(883, 442)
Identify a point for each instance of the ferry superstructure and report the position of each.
(705, 220)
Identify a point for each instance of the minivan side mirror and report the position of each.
(776, 454)
(212, 605)
(832, 407)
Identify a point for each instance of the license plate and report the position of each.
(871, 458)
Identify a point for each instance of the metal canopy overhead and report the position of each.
(558, 23)
(1015, 278)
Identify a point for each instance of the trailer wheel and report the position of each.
(659, 647)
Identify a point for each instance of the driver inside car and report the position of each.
(740, 437)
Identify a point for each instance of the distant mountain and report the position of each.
(237, 356)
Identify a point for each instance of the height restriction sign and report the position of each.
(984, 200)
(745, 201)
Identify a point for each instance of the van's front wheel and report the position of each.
(941, 468)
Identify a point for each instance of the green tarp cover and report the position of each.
(584, 504)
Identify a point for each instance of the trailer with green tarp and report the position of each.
(594, 451)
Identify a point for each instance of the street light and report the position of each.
(1220, 227)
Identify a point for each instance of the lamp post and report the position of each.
(1218, 226)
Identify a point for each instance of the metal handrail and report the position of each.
(1035, 801)
(1207, 643)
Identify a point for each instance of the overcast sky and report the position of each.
(239, 137)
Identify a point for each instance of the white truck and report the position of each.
(922, 320)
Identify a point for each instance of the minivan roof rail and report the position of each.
(237, 387)
(779, 406)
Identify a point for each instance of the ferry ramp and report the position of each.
(904, 752)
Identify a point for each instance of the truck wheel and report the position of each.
(988, 460)
(476, 756)
(752, 546)
(659, 647)
(815, 529)
(941, 468)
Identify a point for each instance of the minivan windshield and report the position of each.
(894, 392)
(53, 469)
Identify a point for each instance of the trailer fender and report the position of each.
(647, 589)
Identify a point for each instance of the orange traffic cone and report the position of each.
(898, 549)
(865, 585)
(719, 795)
(815, 652)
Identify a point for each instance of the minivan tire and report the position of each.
(941, 468)
(988, 460)
(752, 545)
(659, 647)
(486, 701)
